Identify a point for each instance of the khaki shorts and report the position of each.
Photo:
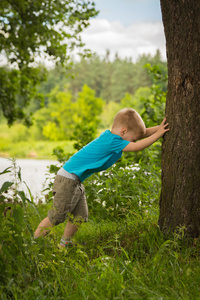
(69, 201)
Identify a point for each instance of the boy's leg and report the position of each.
(41, 227)
(70, 230)
(61, 205)
(80, 215)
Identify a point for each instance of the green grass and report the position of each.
(126, 259)
(19, 141)
(33, 149)
(125, 256)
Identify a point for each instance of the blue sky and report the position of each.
(129, 11)
(129, 27)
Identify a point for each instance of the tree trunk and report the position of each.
(180, 195)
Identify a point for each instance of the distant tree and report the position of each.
(64, 118)
(28, 29)
(88, 108)
(111, 80)
(58, 115)
(180, 196)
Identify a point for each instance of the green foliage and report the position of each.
(108, 114)
(88, 109)
(49, 123)
(79, 118)
(154, 105)
(122, 258)
(124, 188)
(111, 80)
(34, 149)
(18, 87)
(49, 29)
(141, 93)
(157, 72)
(62, 118)
(135, 100)
(56, 118)
(83, 134)
(5, 185)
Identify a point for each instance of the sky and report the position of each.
(129, 27)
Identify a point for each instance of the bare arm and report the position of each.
(150, 131)
(140, 145)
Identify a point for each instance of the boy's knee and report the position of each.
(55, 217)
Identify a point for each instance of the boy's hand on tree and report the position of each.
(139, 145)
(163, 128)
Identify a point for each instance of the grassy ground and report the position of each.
(33, 149)
(20, 142)
(124, 259)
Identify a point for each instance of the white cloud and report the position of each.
(129, 41)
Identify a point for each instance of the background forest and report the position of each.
(84, 97)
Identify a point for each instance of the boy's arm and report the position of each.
(139, 145)
(150, 131)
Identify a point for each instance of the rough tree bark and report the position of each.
(180, 195)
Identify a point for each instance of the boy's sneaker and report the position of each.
(66, 243)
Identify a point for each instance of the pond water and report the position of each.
(33, 172)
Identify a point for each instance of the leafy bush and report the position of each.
(122, 190)
(154, 105)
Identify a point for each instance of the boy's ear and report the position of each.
(123, 131)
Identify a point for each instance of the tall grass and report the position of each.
(122, 257)
(129, 259)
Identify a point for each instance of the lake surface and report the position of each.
(33, 172)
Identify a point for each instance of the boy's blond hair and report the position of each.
(129, 118)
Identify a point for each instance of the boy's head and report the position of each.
(129, 125)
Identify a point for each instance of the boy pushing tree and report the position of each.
(128, 134)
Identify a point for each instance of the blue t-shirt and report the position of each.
(98, 155)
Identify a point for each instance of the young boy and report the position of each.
(69, 194)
